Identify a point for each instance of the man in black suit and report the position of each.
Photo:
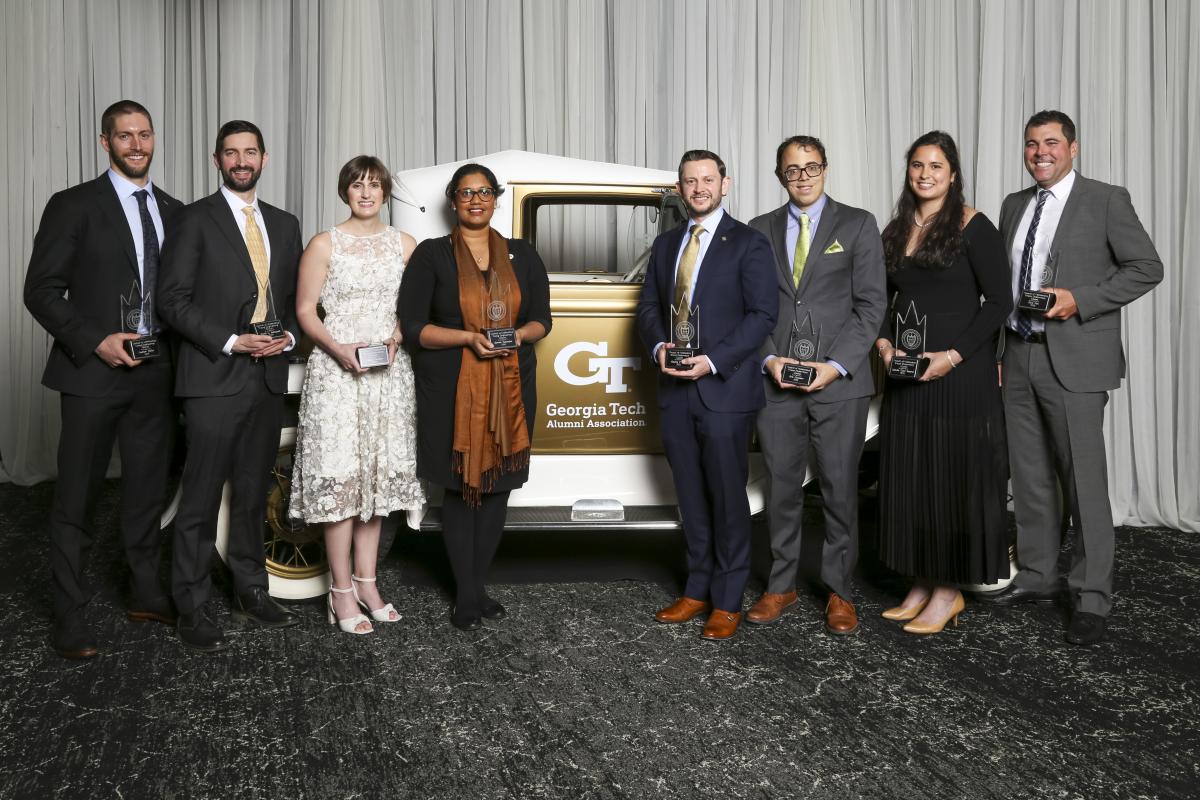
(91, 286)
(228, 287)
(713, 276)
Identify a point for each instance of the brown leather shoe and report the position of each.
(721, 625)
(770, 607)
(681, 610)
(840, 617)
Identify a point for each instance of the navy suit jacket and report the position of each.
(735, 295)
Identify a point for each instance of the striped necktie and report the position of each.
(1024, 324)
(685, 274)
(262, 267)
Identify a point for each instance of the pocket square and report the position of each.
(836, 247)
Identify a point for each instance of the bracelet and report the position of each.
(951, 360)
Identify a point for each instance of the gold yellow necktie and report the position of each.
(802, 243)
(262, 267)
(683, 276)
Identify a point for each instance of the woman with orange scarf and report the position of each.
(471, 306)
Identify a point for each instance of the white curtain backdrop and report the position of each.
(418, 82)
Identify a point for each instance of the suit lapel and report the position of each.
(222, 216)
(711, 256)
(116, 218)
(1071, 210)
(816, 249)
(778, 224)
(1017, 214)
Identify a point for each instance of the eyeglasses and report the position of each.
(485, 193)
(811, 170)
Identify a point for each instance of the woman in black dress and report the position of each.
(475, 398)
(943, 464)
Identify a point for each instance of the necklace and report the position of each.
(918, 222)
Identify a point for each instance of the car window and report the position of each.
(591, 236)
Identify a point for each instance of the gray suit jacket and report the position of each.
(1106, 258)
(845, 290)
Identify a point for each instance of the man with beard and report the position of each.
(709, 281)
(228, 287)
(91, 285)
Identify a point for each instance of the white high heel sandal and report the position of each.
(347, 625)
(380, 614)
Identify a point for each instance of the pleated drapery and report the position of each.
(419, 82)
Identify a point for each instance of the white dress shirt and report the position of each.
(125, 190)
(1056, 200)
(236, 204)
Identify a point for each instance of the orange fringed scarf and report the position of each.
(490, 434)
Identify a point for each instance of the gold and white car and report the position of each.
(597, 457)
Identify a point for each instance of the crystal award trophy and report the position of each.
(803, 345)
(271, 326)
(910, 337)
(685, 336)
(137, 316)
(1036, 300)
(497, 314)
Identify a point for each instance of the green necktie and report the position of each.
(802, 243)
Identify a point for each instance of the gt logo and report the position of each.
(609, 371)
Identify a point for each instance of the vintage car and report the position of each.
(597, 458)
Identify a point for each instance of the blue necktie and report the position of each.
(149, 261)
(1024, 325)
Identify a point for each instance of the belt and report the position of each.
(1034, 337)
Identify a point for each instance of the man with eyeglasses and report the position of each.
(832, 295)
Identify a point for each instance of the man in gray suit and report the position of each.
(831, 278)
(1081, 241)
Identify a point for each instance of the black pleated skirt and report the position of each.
(943, 477)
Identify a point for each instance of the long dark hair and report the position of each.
(943, 234)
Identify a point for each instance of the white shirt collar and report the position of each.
(125, 187)
(1061, 190)
(236, 204)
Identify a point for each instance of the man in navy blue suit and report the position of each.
(710, 280)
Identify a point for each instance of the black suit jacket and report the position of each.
(207, 292)
(83, 263)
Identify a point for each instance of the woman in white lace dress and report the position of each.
(355, 459)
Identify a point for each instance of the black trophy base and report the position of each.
(142, 348)
(798, 374)
(1039, 302)
(676, 356)
(372, 356)
(502, 338)
(907, 368)
(269, 327)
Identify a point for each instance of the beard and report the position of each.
(710, 205)
(241, 185)
(130, 170)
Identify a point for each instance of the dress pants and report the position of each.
(709, 453)
(829, 436)
(138, 414)
(472, 536)
(1056, 449)
(235, 439)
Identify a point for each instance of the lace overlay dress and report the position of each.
(356, 439)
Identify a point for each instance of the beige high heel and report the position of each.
(902, 614)
(347, 625)
(380, 614)
(936, 627)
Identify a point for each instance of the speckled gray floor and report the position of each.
(579, 694)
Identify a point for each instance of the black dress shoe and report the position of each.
(197, 631)
(491, 609)
(464, 621)
(72, 639)
(257, 607)
(1085, 628)
(157, 610)
(1013, 595)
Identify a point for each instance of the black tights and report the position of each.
(471, 536)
